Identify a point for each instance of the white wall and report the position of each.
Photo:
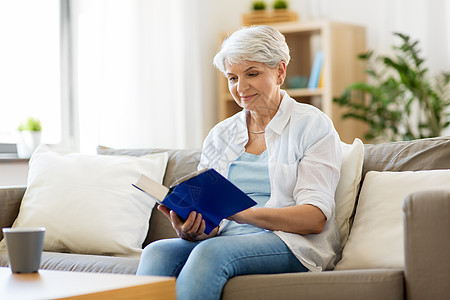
(217, 18)
(13, 172)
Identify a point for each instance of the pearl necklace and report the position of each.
(257, 132)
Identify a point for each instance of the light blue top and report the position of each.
(250, 173)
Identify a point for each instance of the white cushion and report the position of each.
(87, 202)
(376, 238)
(347, 189)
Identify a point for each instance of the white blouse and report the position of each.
(304, 160)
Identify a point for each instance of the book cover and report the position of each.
(206, 192)
(315, 70)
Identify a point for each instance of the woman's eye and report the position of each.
(232, 79)
(253, 74)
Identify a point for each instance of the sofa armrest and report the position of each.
(10, 199)
(426, 217)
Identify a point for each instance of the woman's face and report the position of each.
(255, 86)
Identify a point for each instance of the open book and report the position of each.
(206, 192)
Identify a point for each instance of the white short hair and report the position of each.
(260, 43)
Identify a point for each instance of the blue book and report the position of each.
(206, 192)
(315, 70)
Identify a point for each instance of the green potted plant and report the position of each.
(401, 102)
(280, 4)
(259, 5)
(29, 137)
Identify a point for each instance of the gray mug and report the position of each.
(24, 248)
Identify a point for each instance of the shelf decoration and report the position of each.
(259, 14)
(296, 82)
(316, 71)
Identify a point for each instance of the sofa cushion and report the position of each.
(422, 154)
(348, 187)
(87, 202)
(376, 238)
(82, 262)
(336, 285)
(10, 203)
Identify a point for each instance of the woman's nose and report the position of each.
(242, 85)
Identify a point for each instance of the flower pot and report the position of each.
(27, 143)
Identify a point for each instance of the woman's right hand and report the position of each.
(193, 229)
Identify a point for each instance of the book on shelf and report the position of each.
(206, 192)
(320, 84)
(316, 70)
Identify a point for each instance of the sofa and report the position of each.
(426, 233)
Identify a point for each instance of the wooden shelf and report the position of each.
(341, 44)
(304, 92)
(265, 16)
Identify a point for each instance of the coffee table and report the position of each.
(47, 284)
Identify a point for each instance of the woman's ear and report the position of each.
(281, 72)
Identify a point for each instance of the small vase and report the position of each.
(28, 142)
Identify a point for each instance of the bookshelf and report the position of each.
(341, 44)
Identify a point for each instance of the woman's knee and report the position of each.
(152, 253)
(210, 249)
(156, 250)
(163, 257)
(209, 254)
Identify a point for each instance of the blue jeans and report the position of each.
(204, 267)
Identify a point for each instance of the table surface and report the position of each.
(47, 284)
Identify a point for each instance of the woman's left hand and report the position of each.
(300, 219)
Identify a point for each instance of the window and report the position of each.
(30, 67)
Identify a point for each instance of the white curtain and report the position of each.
(136, 66)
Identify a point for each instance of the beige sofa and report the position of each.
(426, 217)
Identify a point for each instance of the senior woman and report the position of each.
(283, 154)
